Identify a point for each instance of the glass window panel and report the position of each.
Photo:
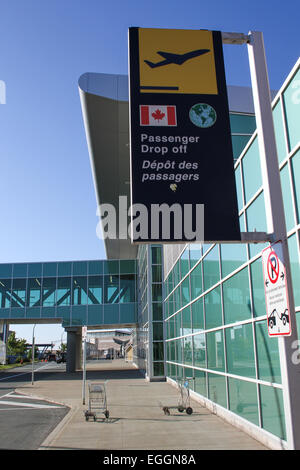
(156, 254)
(79, 315)
(157, 311)
(5, 270)
(199, 350)
(95, 315)
(156, 273)
(200, 382)
(240, 350)
(34, 292)
(196, 281)
(272, 410)
(158, 369)
(279, 132)
(258, 291)
(49, 269)
(184, 262)
(95, 290)
(256, 221)
(18, 294)
(243, 399)
(251, 171)
(215, 350)
(198, 315)
(158, 351)
(64, 269)
(48, 291)
(217, 389)
(35, 269)
(5, 295)
(291, 102)
(242, 123)
(178, 329)
(287, 198)
(20, 270)
(95, 267)
(185, 291)
(79, 291)
(211, 268)
(238, 180)
(195, 253)
(158, 334)
(242, 223)
(232, 256)
(179, 357)
(186, 321)
(127, 266)
(111, 267)
(239, 142)
(268, 362)
(187, 350)
(295, 267)
(111, 314)
(172, 327)
(296, 177)
(236, 297)
(79, 268)
(111, 289)
(127, 288)
(157, 292)
(18, 312)
(128, 313)
(33, 312)
(213, 309)
(63, 291)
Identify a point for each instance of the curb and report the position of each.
(46, 444)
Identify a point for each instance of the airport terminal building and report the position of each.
(198, 310)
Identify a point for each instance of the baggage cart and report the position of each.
(97, 400)
(184, 400)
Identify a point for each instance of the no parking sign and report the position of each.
(277, 304)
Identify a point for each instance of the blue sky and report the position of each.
(48, 209)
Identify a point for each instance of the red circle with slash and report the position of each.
(273, 267)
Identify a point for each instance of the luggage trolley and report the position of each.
(184, 401)
(97, 400)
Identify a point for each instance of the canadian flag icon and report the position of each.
(158, 115)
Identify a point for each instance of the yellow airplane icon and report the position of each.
(188, 68)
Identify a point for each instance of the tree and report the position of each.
(16, 346)
(63, 347)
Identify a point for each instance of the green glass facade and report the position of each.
(74, 293)
(215, 316)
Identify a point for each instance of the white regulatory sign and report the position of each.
(277, 304)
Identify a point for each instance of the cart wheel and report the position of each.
(106, 414)
(189, 410)
(180, 409)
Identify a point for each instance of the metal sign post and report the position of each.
(84, 331)
(275, 224)
(32, 357)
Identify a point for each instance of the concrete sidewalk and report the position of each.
(136, 419)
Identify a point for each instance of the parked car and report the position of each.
(61, 358)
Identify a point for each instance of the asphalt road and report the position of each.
(25, 422)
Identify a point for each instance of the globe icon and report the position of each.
(203, 115)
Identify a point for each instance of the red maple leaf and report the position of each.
(158, 115)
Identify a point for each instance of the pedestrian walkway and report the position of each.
(136, 419)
